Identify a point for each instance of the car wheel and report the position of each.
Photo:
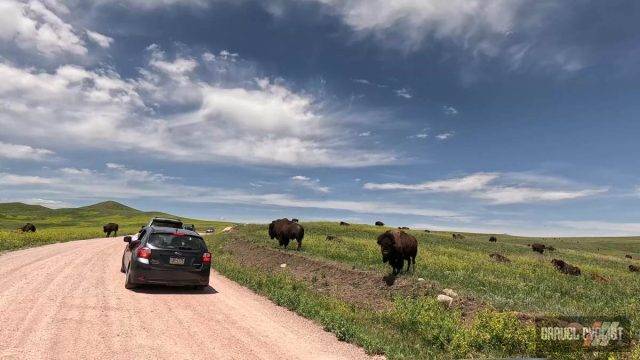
(128, 284)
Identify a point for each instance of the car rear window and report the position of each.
(167, 223)
(176, 242)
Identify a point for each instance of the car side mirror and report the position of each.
(127, 239)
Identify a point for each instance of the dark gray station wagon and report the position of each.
(166, 256)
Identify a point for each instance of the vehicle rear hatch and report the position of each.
(176, 251)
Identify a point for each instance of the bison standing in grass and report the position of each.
(493, 239)
(379, 223)
(396, 247)
(565, 268)
(28, 227)
(110, 228)
(342, 223)
(537, 247)
(285, 231)
(634, 268)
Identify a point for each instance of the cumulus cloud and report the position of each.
(313, 184)
(102, 40)
(494, 187)
(234, 117)
(23, 152)
(37, 25)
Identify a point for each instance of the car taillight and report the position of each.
(206, 258)
(144, 253)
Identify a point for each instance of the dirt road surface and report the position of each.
(68, 301)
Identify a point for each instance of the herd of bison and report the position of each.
(396, 246)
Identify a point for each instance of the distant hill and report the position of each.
(14, 215)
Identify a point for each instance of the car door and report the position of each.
(128, 250)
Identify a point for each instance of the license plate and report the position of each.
(176, 261)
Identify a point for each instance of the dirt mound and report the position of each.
(362, 288)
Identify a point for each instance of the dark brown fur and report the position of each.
(379, 223)
(294, 220)
(342, 223)
(110, 228)
(565, 268)
(628, 256)
(285, 231)
(28, 227)
(403, 228)
(397, 246)
(493, 239)
(634, 268)
(537, 247)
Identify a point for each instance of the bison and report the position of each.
(342, 223)
(457, 236)
(565, 268)
(499, 258)
(294, 220)
(396, 247)
(537, 247)
(628, 256)
(28, 227)
(634, 268)
(403, 228)
(379, 223)
(285, 230)
(493, 239)
(427, 231)
(110, 228)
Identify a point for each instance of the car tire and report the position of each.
(128, 284)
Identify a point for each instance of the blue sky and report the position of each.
(495, 116)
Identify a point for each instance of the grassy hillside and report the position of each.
(56, 225)
(498, 301)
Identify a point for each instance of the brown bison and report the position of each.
(427, 231)
(403, 228)
(110, 228)
(457, 236)
(285, 231)
(28, 227)
(379, 223)
(342, 223)
(396, 247)
(493, 239)
(499, 258)
(294, 220)
(565, 268)
(537, 247)
(628, 256)
(634, 268)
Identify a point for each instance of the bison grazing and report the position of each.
(28, 227)
(628, 256)
(565, 268)
(110, 228)
(342, 223)
(537, 247)
(379, 223)
(499, 258)
(634, 268)
(285, 230)
(396, 247)
(493, 239)
(457, 236)
(294, 220)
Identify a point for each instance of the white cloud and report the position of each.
(600, 228)
(365, 134)
(313, 184)
(36, 25)
(445, 136)
(486, 186)
(245, 119)
(102, 40)
(74, 184)
(23, 152)
(420, 136)
(362, 81)
(403, 93)
(450, 110)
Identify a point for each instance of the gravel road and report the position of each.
(68, 301)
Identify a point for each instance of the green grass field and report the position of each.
(58, 225)
(529, 284)
(413, 326)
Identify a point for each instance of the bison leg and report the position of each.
(115, 233)
(285, 242)
(299, 245)
(408, 265)
(108, 233)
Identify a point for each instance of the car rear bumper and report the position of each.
(146, 274)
